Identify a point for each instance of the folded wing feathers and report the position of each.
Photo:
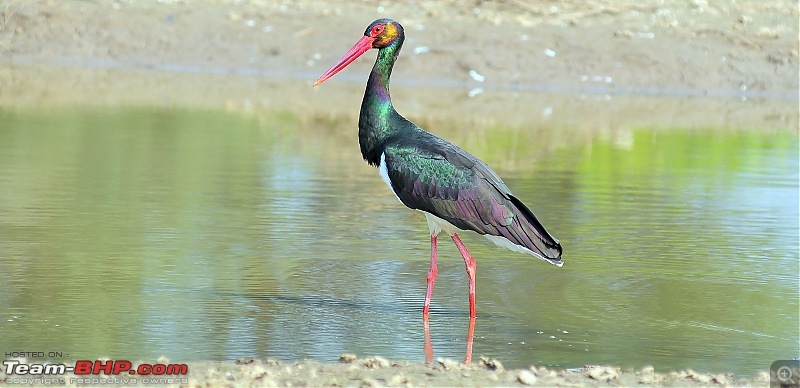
(469, 195)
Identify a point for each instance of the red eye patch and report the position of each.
(376, 30)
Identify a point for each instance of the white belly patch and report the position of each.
(385, 175)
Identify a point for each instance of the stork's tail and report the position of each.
(534, 236)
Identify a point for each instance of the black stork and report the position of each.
(454, 189)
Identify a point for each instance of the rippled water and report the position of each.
(136, 233)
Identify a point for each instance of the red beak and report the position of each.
(362, 46)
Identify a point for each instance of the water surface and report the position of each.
(197, 234)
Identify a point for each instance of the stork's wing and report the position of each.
(453, 185)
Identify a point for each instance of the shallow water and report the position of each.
(135, 233)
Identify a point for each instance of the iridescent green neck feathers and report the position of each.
(378, 120)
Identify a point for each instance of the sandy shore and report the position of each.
(378, 371)
(623, 63)
(644, 47)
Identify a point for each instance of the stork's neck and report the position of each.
(378, 119)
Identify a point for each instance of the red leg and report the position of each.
(428, 347)
(471, 267)
(431, 278)
(470, 334)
